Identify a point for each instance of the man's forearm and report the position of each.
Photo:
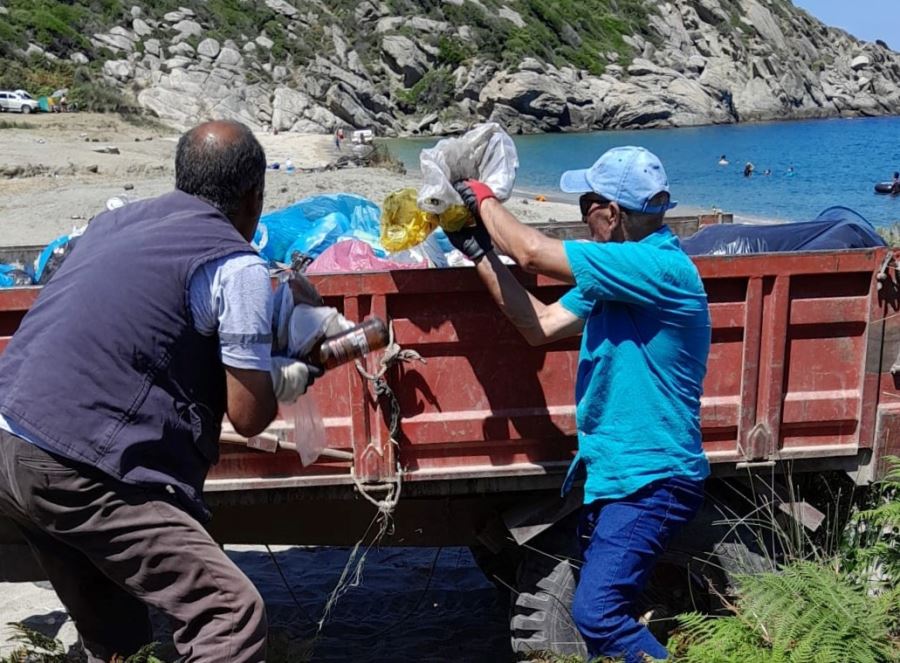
(529, 247)
(513, 237)
(521, 307)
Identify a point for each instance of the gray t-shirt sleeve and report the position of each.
(233, 296)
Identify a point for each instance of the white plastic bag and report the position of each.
(308, 435)
(308, 324)
(485, 153)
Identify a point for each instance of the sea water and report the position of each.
(814, 164)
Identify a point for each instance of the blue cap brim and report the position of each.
(574, 181)
(660, 208)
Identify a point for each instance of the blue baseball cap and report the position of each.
(630, 176)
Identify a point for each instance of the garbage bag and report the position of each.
(833, 229)
(352, 255)
(308, 433)
(53, 255)
(14, 275)
(485, 153)
(404, 225)
(311, 225)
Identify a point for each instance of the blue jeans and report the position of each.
(621, 541)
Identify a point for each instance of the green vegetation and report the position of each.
(805, 612)
(890, 234)
(580, 33)
(432, 92)
(35, 647)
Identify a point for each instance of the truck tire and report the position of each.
(25, 109)
(541, 619)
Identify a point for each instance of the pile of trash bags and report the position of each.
(341, 233)
(44, 266)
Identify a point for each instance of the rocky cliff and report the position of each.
(406, 67)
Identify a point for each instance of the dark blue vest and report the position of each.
(107, 368)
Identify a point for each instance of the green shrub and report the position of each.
(452, 52)
(807, 611)
(432, 92)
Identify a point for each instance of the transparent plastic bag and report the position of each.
(308, 435)
(485, 153)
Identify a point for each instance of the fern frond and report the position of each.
(806, 613)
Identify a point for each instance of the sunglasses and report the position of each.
(587, 202)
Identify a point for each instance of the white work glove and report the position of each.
(291, 378)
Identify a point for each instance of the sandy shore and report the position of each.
(53, 178)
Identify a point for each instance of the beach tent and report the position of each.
(834, 228)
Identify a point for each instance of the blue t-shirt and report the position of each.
(642, 363)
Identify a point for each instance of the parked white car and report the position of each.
(18, 101)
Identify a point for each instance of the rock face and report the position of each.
(308, 68)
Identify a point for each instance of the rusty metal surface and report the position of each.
(798, 370)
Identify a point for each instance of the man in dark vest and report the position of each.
(112, 394)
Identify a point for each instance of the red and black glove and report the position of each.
(473, 193)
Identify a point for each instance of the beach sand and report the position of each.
(52, 179)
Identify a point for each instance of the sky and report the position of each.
(866, 19)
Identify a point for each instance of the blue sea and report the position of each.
(835, 162)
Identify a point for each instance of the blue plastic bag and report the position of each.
(13, 275)
(51, 258)
(313, 224)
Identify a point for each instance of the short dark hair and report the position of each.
(221, 172)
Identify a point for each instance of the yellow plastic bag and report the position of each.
(404, 225)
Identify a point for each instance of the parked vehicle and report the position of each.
(17, 101)
(803, 371)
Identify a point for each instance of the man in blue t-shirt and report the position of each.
(640, 306)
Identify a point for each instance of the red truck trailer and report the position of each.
(469, 445)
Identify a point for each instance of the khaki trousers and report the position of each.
(110, 550)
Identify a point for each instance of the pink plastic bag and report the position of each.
(353, 255)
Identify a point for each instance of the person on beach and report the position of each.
(112, 394)
(640, 305)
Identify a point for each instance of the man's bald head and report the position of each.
(222, 163)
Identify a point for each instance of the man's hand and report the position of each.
(473, 193)
(291, 378)
(472, 241)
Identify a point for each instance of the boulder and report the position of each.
(641, 67)
(176, 62)
(79, 58)
(121, 70)
(860, 62)
(187, 28)
(264, 42)
(209, 48)
(141, 28)
(182, 48)
(529, 93)
(152, 47)
(512, 16)
(404, 58)
(282, 7)
(115, 42)
(228, 57)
